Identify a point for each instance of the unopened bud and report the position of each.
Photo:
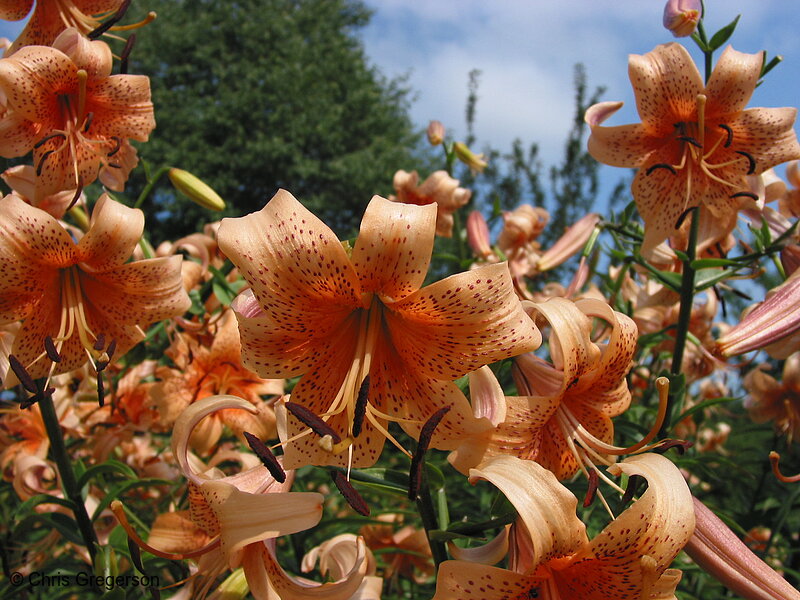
(682, 16)
(478, 235)
(474, 161)
(195, 189)
(435, 133)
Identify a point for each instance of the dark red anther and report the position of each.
(22, 374)
(126, 52)
(77, 195)
(350, 494)
(89, 119)
(680, 445)
(40, 166)
(308, 418)
(751, 162)
(263, 452)
(751, 195)
(425, 434)
(112, 348)
(47, 138)
(100, 342)
(594, 480)
(361, 407)
(51, 350)
(683, 216)
(690, 140)
(729, 131)
(652, 168)
(116, 18)
(630, 491)
(117, 145)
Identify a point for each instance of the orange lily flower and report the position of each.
(209, 366)
(571, 400)
(356, 325)
(51, 17)
(771, 400)
(64, 104)
(82, 296)
(439, 188)
(233, 520)
(696, 144)
(553, 558)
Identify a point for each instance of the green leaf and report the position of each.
(36, 500)
(723, 35)
(117, 491)
(706, 278)
(708, 263)
(62, 523)
(768, 66)
(110, 466)
(702, 406)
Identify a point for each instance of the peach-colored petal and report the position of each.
(121, 106)
(176, 533)
(32, 80)
(17, 134)
(486, 396)
(666, 84)
(733, 81)
(488, 554)
(113, 234)
(92, 56)
(458, 324)
(14, 10)
(459, 580)
(298, 270)
(768, 135)
(548, 514)
(394, 247)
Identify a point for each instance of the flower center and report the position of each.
(700, 145)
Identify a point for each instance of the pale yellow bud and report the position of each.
(474, 161)
(195, 189)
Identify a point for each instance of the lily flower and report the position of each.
(208, 365)
(369, 345)
(696, 143)
(770, 400)
(51, 17)
(563, 416)
(439, 188)
(233, 520)
(64, 104)
(553, 557)
(85, 298)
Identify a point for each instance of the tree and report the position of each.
(255, 95)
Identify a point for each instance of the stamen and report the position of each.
(774, 459)
(89, 119)
(630, 491)
(116, 18)
(592, 491)
(47, 138)
(669, 168)
(22, 374)
(425, 434)
(114, 165)
(361, 407)
(100, 342)
(126, 52)
(112, 348)
(680, 445)
(117, 145)
(690, 140)
(83, 76)
(50, 349)
(317, 425)
(77, 195)
(750, 195)
(267, 457)
(101, 390)
(750, 160)
(350, 494)
(149, 18)
(683, 216)
(41, 162)
(729, 131)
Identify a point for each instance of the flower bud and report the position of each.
(474, 161)
(435, 133)
(478, 235)
(682, 16)
(195, 189)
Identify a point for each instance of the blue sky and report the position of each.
(526, 50)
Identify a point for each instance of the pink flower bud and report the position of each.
(435, 133)
(682, 16)
(478, 235)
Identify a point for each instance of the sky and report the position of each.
(526, 51)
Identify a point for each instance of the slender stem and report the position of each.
(429, 521)
(150, 185)
(684, 317)
(68, 481)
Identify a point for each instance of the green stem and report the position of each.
(68, 481)
(150, 185)
(429, 521)
(684, 317)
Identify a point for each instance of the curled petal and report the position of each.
(486, 395)
(488, 554)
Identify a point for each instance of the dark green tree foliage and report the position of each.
(255, 95)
